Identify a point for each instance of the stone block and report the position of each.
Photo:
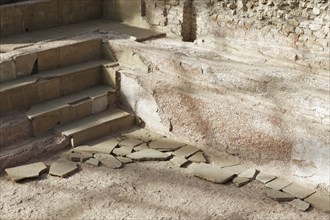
(198, 158)
(44, 15)
(48, 59)
(249, 173)
(298, 190)
(186, 151)
(63, 168)
(108, 160)
(278, 195)
(265, 178)
(45, 122)
(93, 161)
(32, 170)
(7, 70)
(104, 145)
(241, 181)
(124, 159)
(48, 89)
(212, 173)
(110, 76)
(75, 110)
(123, 150)
(319, 201)
(278, 184)
(149, 154)
(299, 204)
(26, 64)
(179, 161)
(100, 103)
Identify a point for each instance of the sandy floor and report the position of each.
(141, 190)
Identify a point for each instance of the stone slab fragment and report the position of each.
(265, 178)
(104, 146)
(278, 184)
(7, 70)
(300, 204)
(222, 162)
(79, 156)
(278, 195)
(165, 144)
(250, 173)
(142, 134)
(298, 190)
(130, 142)
(25, 64)
(198, 158)
(28, 171)
(108, 160)
(179, 161)
(319, 201)
(124, 159)
(63, 168)
(186, 151)
(93, 161)
(123, 150)
(212, 173)
(241, 181)
(237, 169)
(149, 154)
(141, 147)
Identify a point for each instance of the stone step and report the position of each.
(65, 109)
(41, 87)
(96, 126)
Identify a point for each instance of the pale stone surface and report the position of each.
(108, 160)
(93, 161)
(123, 150)
(26, 171)
(212, 173)
(241, 181)
(222, 162)
(130, 142)
(79, 156)
(179, 161)
(186, 151)
(141, 147)
(278, 184)
(149, 154)
(278, 195)
(124, 159)
(165, 144)
(198, 158)
(104, 145)
(63, 168)
(249, 173)
(298, 190)
(265, 178)
(299, 204)
(319, 201)
(237, 169)
(142, 134)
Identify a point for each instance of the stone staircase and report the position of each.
(57, 97)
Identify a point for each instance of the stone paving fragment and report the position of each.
(130, 142)
(123, 150)
(278, 195)
(250, 173)
(212, 173)
(298, 190)
(299, 204)
(186, 151)
(108, 160)
(142, 134)
(278, 184)
(141, 147)
(241, 181)
(28, 171)
(93, 161)
(79, 156)
(101, 146)
(124, 159)
(237, 169)
(221, 162)
(179, 161)
(148, 154)
(319, 201)
(265, 178)
(198, 158)
(63, 168)
(165, 144)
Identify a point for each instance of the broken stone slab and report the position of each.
(299, 204)
(165, 144)
(298, 190)
(221, 162)
(198, 158)
(179, 161)
(130, 142)
(124, 159)
(149, 154)
(212, 173)
(185, 151)
(278, 184)
(79, 156)
(101, 146)
(250, 173)
(241, 181)
(142, 134)
(28, 171)
(141, 147)
(237, 169)
(319, 201)
(63, 168)
(108, 160)
(123, 150)
(93, 161)
(278, 195)
(265, 178)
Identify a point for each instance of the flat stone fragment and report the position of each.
(28, 171)
(198, 158)
(165, 144)
(250, 173)
(241, 181)
(108, 160)
(299, 204)
(186, 151)
(124, 159)
(93, 161)
(142, 134)
(103, 146)
(237, 169)
(130, 142)
(149, 154)
(212, 173)
(141, 147)
(319, 201)
(63, 168)
(221, 162)
(278, 184)
(265, 178)
(179, 161)
(123, 150)
(79, 156)
(278, 195)
(298, 191)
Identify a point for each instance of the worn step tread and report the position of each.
(91, 121)
(63, 101)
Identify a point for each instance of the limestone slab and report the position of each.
(265, 178)
(241, 181)
(103, 146)
(222, 162)
(212, 173)
(63, 168)
(79, 156)
(186, 151)
(28, 171)
(300, 204)
(141, 147)
(278, 195)
(298, 190)
(237, 169)
(130, 142)
(123, 150)
(93, 161)
(149, 154)
(165, 144)
(108, 160)
(319, 201)
(249, 173)
(278, 184)
(179, 161)
(198, 158)
(124, 159)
